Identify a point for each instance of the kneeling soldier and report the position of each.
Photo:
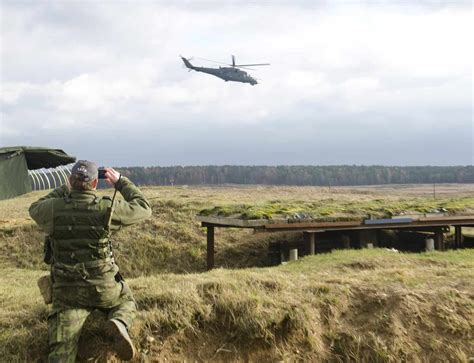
(83, 271)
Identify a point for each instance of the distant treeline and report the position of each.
(298, 175)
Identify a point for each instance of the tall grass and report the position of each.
(366, 305)
(369, 305)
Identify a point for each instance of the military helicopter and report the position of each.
(232, 73)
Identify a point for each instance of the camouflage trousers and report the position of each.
(72, 306)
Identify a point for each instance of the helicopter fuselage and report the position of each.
(232, 74)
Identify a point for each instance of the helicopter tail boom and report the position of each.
(187, 63)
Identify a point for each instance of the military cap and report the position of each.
(85, 170)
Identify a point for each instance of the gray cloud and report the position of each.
(349, 83)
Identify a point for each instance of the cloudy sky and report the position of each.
(349, 82)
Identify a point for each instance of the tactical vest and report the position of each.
(82, 253)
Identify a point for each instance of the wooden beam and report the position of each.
(231, 222)
(444, 229)
(458, 237)
(439, 240)
(210, 248)
(276, 225)
(354, 225)
(310, 242)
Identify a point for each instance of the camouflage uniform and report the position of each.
(85, 276)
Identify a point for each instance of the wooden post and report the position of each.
(312, 243)
(457, 237)
(210, 247)
(309, 240)
(439, 240)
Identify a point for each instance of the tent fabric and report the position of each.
(13, 175)
(16, 161)
(40, 157)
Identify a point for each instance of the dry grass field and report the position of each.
(352, 305)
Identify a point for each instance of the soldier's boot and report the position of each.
(121, 342)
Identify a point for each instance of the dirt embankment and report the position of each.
(370, 305)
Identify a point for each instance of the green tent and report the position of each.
(16, 161)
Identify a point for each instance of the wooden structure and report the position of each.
(436, 225)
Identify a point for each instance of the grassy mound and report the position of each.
(173, 240)
(370, 305)
(332, 209)
(367, 305)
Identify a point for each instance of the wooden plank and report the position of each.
(283, 223)
(335, 226)
(231, 222)
(312, 225)
(356, 228)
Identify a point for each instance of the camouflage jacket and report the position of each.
(133, 209)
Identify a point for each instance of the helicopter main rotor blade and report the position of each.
(251, 69)
(210, 60)
(257, 64)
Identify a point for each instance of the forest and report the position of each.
(298, 175)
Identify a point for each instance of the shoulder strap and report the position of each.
(110, 211)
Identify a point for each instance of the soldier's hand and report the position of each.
(111, 176)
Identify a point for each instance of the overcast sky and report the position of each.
(349, 83)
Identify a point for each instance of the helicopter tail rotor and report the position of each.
(187, 63)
